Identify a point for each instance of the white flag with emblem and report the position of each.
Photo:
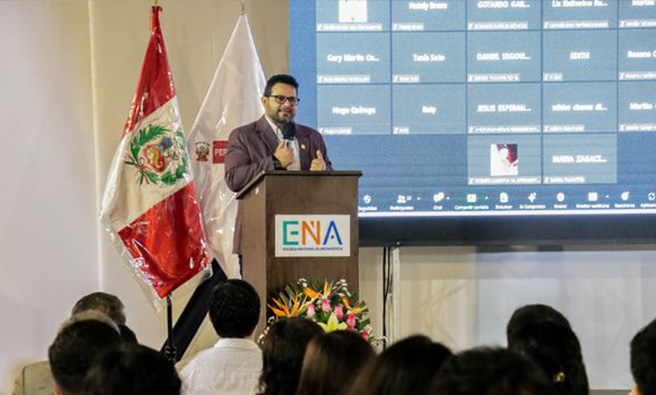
(232, 100)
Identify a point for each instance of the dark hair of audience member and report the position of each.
(643, 359)
(74, 349)
(127, 335)
(234, 309)
(279, 79)
(406, 367)
(491, 371)
(103, 302)
(132, 369)
(556, 349)
(282, 354)
(332, 362)
(532, 313)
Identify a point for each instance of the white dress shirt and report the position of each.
(296, 164)
(232, 366)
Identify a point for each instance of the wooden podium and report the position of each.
(307, 194)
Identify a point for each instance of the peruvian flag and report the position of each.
(150, 206)
(232, 100)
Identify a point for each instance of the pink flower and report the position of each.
(338, 311)
(350, 320)
(365, 335)
(310, 311)
(325, 306)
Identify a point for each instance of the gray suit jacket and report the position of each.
(250, 151)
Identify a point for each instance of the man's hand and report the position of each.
(318, 164)
(285, 155)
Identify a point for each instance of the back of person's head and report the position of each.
(556, 349)
(132, 369)
(103, 302)
(332, 362)
(643, 360)
(491, 371)
(533, 313)
(234, 309)
(127, 335)
(406, 367)
(74, 349)
(87, 315)
(282, 354)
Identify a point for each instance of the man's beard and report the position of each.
(278, 119)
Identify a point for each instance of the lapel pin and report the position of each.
(302, 146)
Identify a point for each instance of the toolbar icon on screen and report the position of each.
(593, 196)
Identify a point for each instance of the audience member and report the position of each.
(491, 371)
(73, 351)
(127, 334)
(106, 303)
(643, 361)
(132, 369)
(532, 313)
(35, 378)
(556, 349)
(283, 350)
(332, 362)
(234, 365)
(406, 367)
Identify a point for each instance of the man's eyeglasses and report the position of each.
(280, 99)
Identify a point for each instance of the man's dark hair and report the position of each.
(280, 79)
(643, 359)
(491, 371)
(534, 313)
(132, 369)
(556, 349)
(74, 349)
(234, 308)
(406, 367)
(283, 350)
(103, 302)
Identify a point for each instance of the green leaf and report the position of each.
(168, 178)
(180, 172)
(152, 176)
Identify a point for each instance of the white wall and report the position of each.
(463, 297)
(48, 251)
(69, 72)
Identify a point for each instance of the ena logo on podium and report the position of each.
(313, 235)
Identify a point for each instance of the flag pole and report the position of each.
(243, 7)
(169, 350)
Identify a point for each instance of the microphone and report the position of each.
(288, 133)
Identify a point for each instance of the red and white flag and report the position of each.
(232, 100)
(150, 206)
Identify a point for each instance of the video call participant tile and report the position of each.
(429, 109)
(428, 57)
(503, 108)
(580, 159)
(580, 107)
(344, 110)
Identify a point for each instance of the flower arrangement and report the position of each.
(330, 305)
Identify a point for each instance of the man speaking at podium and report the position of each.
(273, 142)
